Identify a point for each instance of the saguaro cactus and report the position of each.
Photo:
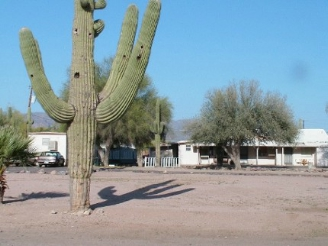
(158, 129)
(85, 108)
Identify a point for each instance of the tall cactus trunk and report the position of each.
(158, 150)
(158, 129)
(82, 131)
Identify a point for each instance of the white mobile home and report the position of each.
(43, 141)
(310, 148)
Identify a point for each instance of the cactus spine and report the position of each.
(84, 108)
(158, 130)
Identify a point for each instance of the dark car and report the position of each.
(50, 158)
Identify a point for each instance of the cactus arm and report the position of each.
(158, 125)
(85, 3)
(57, 109)
(158, 128)
(123, 52)
(114, 106)
(92, 4)
(162, 126)
(98, 27)
(100, 4)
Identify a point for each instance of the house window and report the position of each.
(306, 151)
(203, 150)
(45, 141)
(188, 147)
(267, 152)
(263, 152)
(244, 153)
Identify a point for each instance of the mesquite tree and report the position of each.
(85, 107)
(243, 114)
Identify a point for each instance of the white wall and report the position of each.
(188, 155)
(40, 141)
(322, 157)
(299, 155)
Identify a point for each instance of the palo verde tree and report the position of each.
(243, 114)
(85, 108)
(134, 127)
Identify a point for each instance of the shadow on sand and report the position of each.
(154, 191)
(38, 195)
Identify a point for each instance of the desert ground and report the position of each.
(135, 206)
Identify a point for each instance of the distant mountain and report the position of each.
(42, 120)
(177, 131)
(176, 128)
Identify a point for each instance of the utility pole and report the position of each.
(29, 114)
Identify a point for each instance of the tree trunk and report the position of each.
(81, 132)
(106, 156)
(2, 194)
(234, 152)
(139, 158)
(219, 155)
(235, 149)
(101, 154)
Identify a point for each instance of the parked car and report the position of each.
(34, 160)
(50, 158)
(30, 161)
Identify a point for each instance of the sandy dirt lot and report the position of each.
(169, 207)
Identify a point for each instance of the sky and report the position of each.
(200, 45)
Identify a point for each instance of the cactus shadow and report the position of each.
(39, 195)
(154, 191)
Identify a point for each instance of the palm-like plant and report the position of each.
(3, 182)
(13, 145)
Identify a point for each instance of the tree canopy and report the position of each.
(134, 127)
(242, 114)
(12, 117)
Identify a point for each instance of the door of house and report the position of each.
(288, 156)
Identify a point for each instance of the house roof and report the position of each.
(46, 133)
(306, 137)
(312, 137)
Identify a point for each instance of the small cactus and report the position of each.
(158, 129)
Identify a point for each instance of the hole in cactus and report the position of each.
(124, 56)
(90, 35)
(75, 31)
(77, 75)
(31, 75)
(139, 56)
(141, 46)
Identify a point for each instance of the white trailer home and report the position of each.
(310, 148)
(43, 141)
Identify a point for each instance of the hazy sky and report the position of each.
(199, 45)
